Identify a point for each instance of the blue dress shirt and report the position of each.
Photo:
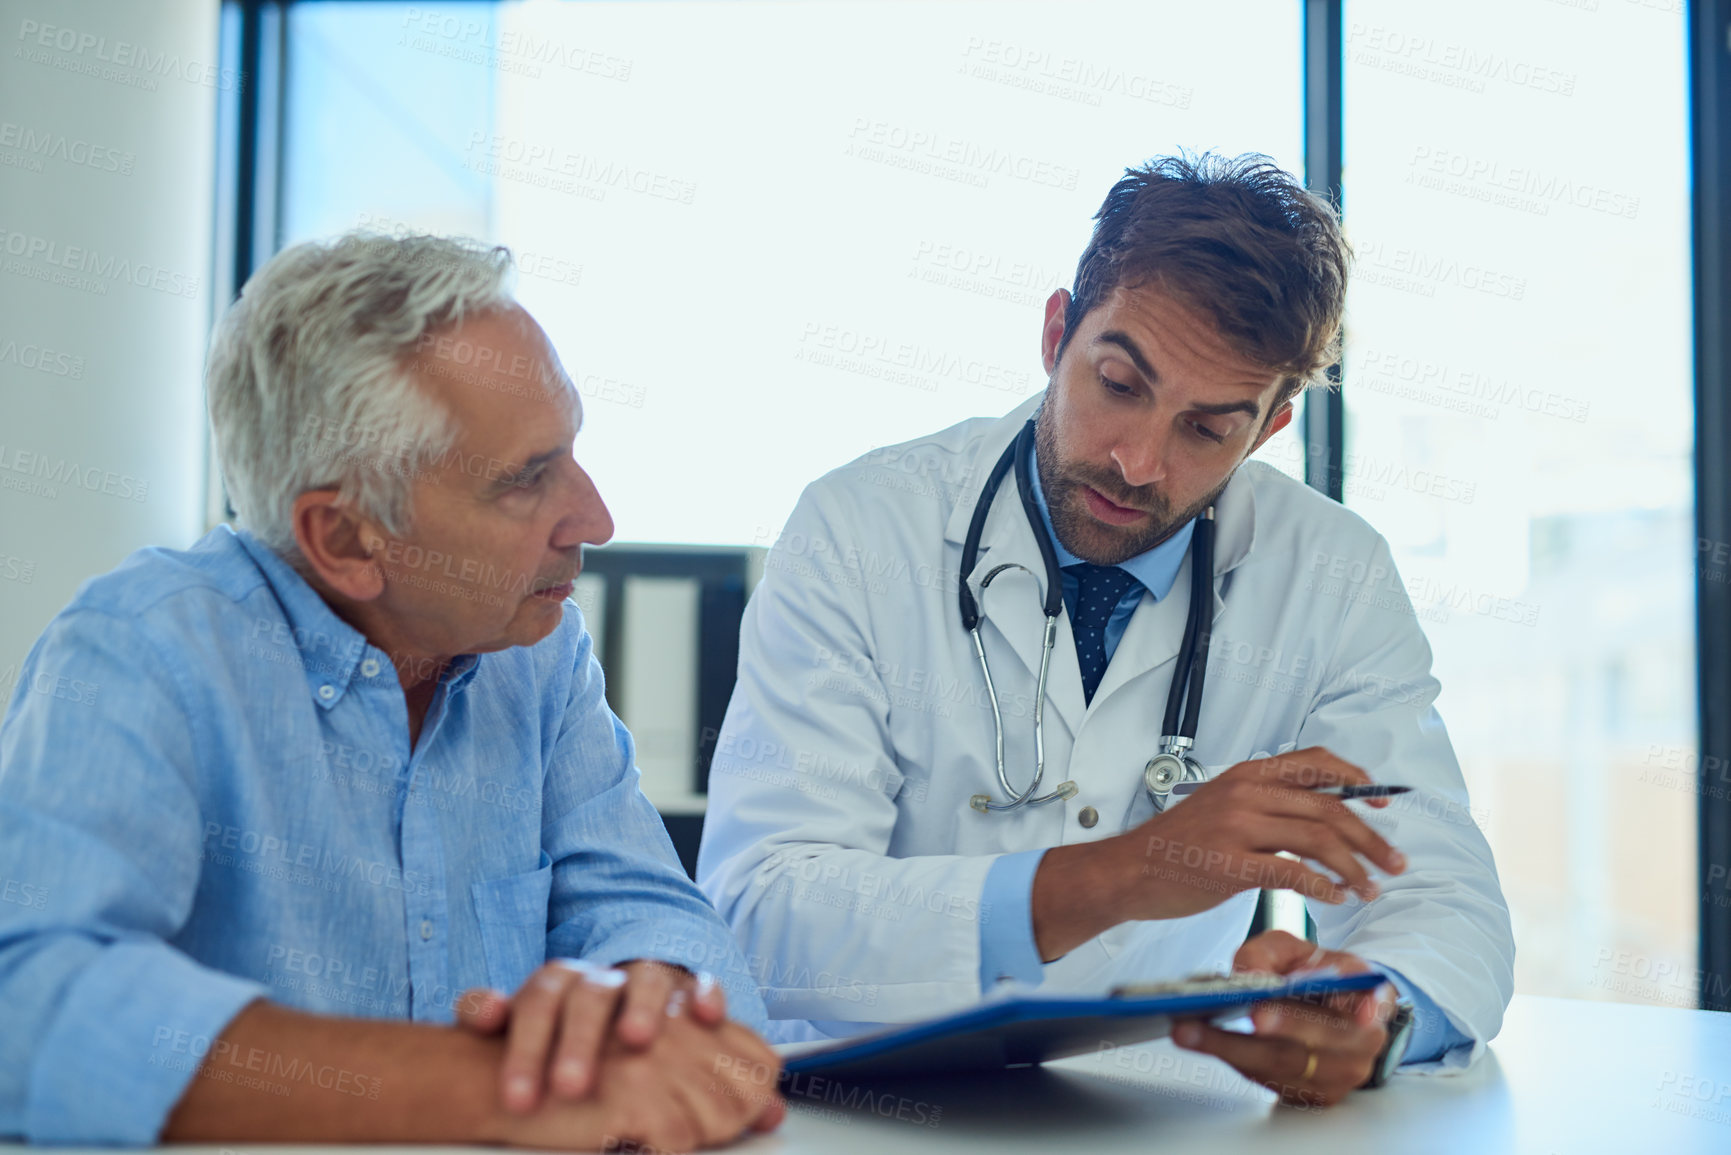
(1007, 948)
(208, 797)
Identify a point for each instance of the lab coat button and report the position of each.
(1087, 817)
(426, 929)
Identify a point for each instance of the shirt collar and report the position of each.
(1156, 568)
(332, 652)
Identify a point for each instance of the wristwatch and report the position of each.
(1394, 1050)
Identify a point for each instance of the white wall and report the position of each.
(107, 143)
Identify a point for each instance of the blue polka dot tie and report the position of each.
(1099, 590)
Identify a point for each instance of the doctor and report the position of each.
(890, 834)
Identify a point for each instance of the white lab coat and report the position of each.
(839, 841)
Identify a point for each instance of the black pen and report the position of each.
(1345, 793)
(1372, 791)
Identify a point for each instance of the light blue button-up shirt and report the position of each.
(1007, 947)
(208, 797)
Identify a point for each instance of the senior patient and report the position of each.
(351, 763)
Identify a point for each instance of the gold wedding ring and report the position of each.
(1309, 1067)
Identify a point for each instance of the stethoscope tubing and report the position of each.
(1183, 699)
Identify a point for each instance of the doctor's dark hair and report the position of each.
(1235, 238)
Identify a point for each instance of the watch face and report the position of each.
(1399, 1039)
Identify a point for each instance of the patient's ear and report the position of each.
(338, 545)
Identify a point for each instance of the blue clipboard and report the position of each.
(1027, 1027)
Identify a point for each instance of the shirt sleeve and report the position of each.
(105, 1021)
(619, 891)
(1007, 947)
(1433, 1036)
(1443, 921)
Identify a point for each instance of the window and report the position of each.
(786, 235)
(768, 237)
(1518, 399)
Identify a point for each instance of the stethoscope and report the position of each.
(1173, 764)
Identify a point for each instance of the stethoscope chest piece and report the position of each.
(1170, 767)
(1163, 772)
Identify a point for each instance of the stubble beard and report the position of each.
(1081, 532)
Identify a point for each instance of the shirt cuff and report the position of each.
(1007, 949)
(1432, 1034)
(696, 945)
(120, 1052)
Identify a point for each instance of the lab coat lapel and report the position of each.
(1011, 608)
(991, 447)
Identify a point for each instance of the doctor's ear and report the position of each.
(1278, 420)
(1052, 333)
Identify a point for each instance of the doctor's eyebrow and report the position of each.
(1131, 350)
(1249, 407)
(1123, 340)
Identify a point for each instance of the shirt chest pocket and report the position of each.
(512, 913)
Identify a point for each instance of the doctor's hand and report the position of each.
(564, 1014)
(1224, 839)
(1227, 837)
(1311, 1052)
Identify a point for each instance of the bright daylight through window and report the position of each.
(760, 260)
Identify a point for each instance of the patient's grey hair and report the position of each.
(308, 383)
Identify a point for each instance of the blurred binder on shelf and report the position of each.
(658, 700)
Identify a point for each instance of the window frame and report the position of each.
(1709, 47)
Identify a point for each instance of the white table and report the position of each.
(1564, 1077)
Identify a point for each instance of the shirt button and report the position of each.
(426, 929)
(370, 667)
(1087, 817)
(327, 692)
